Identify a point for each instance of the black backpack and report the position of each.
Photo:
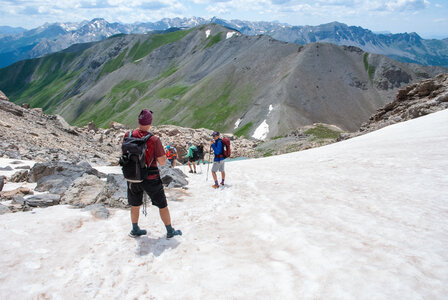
(200, 150)
(195, 154)
(132, 161)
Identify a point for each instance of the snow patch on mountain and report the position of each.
(237, 123)
(262, 131)
(230, 34)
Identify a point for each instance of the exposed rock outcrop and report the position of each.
(19, 176)
(4, 209)
(114, 193)
(98, 211)
(56, 177)
(8, 195)
(31, 134)
(43, 200)
(3, 96)
(83, 191)
(411, 102)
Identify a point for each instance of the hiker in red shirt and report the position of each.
(152, 184)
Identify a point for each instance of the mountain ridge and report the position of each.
(212, 77)
(405, 47)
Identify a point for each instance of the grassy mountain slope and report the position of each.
(211, 77)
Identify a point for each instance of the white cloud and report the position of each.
(370, 14)
(399, 5)
(15, 13)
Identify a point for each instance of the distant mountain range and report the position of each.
(7, 30)
(18, 44)
(213, 77)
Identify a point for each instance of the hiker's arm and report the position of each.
(161, 160)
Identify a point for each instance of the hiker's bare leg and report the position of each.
(189, 164)
(223, 175)
(135, 212)
(165, 215)
(194, 165)
(215, 178)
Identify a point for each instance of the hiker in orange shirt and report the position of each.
(171, 154)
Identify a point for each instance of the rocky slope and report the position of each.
(412, 101)
(3, 96)
(30, 134)
(211, 77)
(63, 173)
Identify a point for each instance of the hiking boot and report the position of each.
(190, 171)
(172, 233)
(222, 182)
(195, 172)
(215, 186)
(137, 233)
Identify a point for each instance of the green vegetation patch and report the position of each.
(277, 137)
(51, 65)
(134, 49)
(221, 105)
(172, 92)
(213, 103)
(120, 98)
(14, 78)
(171, 70)
(155, 41)
(284, 76)
(268, 153)
(369, 68)
(216, 113)
(51, 83)
(113, 64)
(243, 130)
(127, 85)
(213, 39)
(322, 132)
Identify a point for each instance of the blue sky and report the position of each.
(429, 18)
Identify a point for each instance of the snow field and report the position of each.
(360, 219)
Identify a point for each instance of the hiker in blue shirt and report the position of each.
(218, 162)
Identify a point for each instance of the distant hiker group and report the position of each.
(194, 154)
(142, 152)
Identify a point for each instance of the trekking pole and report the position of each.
(144, 204)
(208, 165)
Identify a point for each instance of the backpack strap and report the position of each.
(147, 137)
